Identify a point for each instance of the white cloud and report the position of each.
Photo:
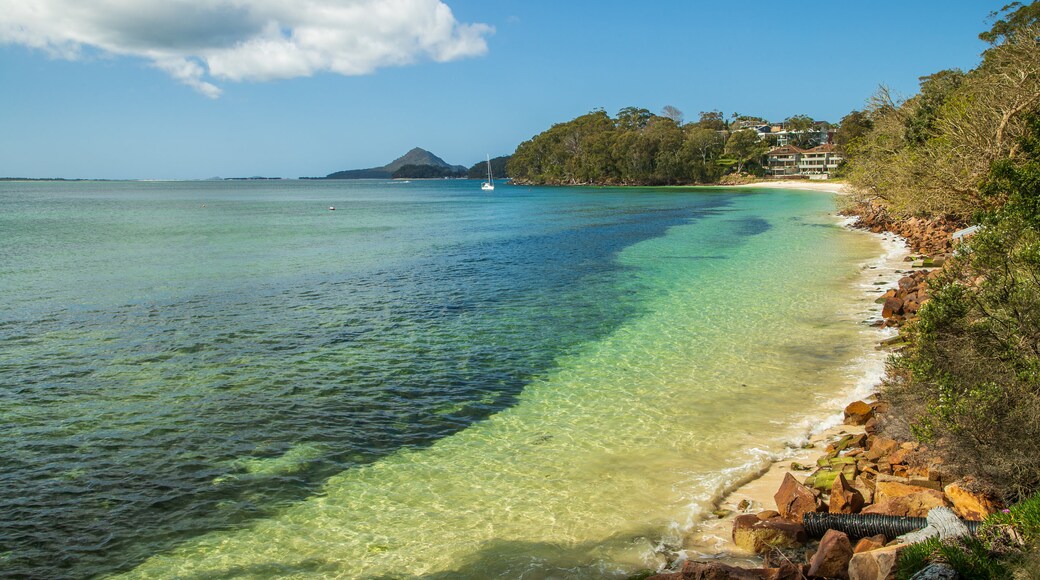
(196, 41)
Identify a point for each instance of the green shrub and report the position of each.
(973, 370)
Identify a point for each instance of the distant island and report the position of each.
(421, 164)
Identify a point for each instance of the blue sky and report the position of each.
(137, 98)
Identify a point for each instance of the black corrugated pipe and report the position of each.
(864, 525)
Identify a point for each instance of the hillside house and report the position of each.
(789, 160)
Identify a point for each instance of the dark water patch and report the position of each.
(136, 427)
(752, 226)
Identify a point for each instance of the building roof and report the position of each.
(825, 148)
(785, 150)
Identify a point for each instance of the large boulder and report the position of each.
(880, 447)
(831, 559)
(891, 307)
(969, 504)
(877, 564)
(845, 499)
(761, 536)
(915, 505)
(793, 500)
(884, 490)
(858, 413)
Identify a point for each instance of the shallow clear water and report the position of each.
(227, 379)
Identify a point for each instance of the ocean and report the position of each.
(227, 379)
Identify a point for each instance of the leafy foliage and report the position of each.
(928, 155)
(634, 148)
(975, 359)
(498, 168)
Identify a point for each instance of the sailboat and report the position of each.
(488, 185)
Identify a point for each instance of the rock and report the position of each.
(845, 499)
(877, 564)
(886, 489)
(880, 447)
(936, 571)
(858, 413)
(865, 487)
(824, 479)
(968, 504)
(768, 514)
(915, 505)
(758, 536)
(871, 426)
(898, 457)
(832, 557)
(722, 513)
(793, 500)
(891, 307)
(799, 467)
(871, 543)
(744, 505)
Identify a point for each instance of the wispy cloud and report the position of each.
(198, 41)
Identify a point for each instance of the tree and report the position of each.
(633, 118)
(799, 123)
(713, 120)
(745, 146)
(851, 130)
(702, 147)
(972, 375)
(670, 112)
(1018, 18)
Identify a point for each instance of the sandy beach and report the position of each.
(825, 186)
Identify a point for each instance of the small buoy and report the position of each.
(332, 208)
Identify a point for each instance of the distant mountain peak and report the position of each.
(417, 156)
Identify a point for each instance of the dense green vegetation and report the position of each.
(639, 148)
(967, 147)
(929, 154)
(498, 168)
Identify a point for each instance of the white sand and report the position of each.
(827, 186)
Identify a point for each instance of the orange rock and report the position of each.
(845, 499)
(793, 499)
(891, 307)
(880, 447)
(915, 505)
(899, 456)
(755, 535)
(858, 413)
(871, 543)
(892, 489)
(831, 559)
(877, 564)
(968, 504)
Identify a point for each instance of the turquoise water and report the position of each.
(228, 379)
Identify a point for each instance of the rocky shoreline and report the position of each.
(854, 469)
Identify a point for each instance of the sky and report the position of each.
(191, 89)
